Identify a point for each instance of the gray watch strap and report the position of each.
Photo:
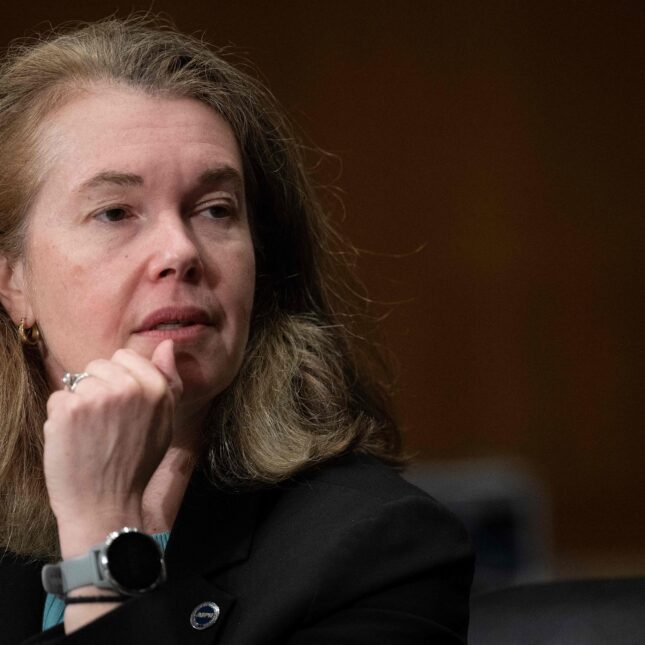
(62, 577)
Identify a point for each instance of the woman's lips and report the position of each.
(179, 322)
(182, 315)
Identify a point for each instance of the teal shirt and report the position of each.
(55, 607)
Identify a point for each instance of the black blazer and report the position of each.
(344, 553)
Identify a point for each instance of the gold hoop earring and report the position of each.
(28, 335)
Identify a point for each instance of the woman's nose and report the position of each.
(175, 251)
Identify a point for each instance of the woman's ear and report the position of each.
(13, 294)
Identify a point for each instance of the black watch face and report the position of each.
(134, 561)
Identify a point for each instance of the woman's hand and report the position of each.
(104, 441)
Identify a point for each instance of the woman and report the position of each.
(178, 358)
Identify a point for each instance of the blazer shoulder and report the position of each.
(361, 474)
(358, 535)
(357, 485)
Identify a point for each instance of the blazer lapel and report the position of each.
(214, 528)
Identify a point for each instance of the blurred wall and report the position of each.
(492, 155)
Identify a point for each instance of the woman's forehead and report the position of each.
(124, 126)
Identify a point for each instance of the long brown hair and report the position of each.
(307, 389)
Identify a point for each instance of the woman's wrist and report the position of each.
(76, 538)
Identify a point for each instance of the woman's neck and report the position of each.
(165, 491)
(166, 488)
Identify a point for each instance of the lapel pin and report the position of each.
(205, 615)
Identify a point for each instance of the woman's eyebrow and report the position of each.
(114, 177)
(214, 175)
(220, 174)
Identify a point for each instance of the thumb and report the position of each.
(163, 358)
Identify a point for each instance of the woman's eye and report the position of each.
(218, 211)
(115, 214)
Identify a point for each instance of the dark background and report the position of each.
(490, 156)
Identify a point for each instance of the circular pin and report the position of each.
(205, 615)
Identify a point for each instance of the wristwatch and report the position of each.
(129, 562)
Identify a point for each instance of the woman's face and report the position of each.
(140, 232)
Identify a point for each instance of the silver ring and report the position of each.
(71, 380)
